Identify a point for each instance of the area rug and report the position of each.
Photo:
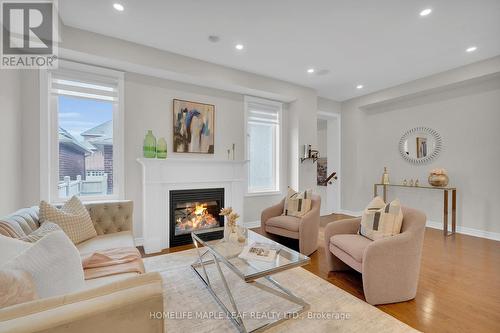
(189, 307)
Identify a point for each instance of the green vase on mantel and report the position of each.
(161, 148)
(149, 147)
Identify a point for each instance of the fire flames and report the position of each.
(197, 218)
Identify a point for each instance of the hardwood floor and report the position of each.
(459, 286)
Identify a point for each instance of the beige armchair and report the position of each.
(390, 266)
(305, 229)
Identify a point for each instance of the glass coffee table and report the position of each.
(254, 272)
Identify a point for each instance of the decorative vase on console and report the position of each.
(438, 177)
(230, 228)
(161, 148)
(149, 146)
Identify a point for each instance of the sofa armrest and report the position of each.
(111, 216)
(128, 305)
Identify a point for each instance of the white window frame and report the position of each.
(278, 158)
(49, 143)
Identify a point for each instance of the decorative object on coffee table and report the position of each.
(161, 148)
(230, 231)
(438, 177)
(194, 125)
(149, 146)
(385, 177)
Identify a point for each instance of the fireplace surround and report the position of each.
(160, 177)
(195, 209)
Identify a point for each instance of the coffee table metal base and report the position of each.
(236, 315)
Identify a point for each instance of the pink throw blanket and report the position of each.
(112, 261)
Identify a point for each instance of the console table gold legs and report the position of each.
(446, 194)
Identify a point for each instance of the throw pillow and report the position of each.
(16, 287)
(54, 263)
(381, 220)
(44, 229)
(73, 218)
(297, 203)
(10, 248)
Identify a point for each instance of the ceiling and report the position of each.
(378, 44)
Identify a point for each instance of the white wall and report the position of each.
(10, 141)
(467, 115)
(148, 105)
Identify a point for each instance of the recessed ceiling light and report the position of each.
(425, 12)
(310, 70)
(239, 46)
(359, 86)
(471, 49)
(118, 6)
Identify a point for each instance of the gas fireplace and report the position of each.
(194, 210)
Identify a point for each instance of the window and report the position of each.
(84, 132)
(263, 144)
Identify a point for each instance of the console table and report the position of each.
(446, 192)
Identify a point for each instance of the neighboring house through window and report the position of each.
(84, 132)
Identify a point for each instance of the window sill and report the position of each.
(263, 194)
(88, 199)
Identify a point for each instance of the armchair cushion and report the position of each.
(354, 245)
(284, 222)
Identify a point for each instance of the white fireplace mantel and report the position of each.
(159, 177)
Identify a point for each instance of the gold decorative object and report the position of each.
(438, 177)
(230, 233)
(405, 182)
(416, 182)
(411, 182)
(385, 177)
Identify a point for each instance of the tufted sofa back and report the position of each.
(108, 217)
(111, 216)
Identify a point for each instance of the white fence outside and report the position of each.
(93, 185)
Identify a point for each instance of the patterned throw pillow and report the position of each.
(381, 220)
(73, 218)
(297, 203)
(45, 228)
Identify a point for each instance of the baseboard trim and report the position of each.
(466, 230)
(252, 224)
(349, 212)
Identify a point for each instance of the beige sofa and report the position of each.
(119, 303)
(305, 229)
(390, 266)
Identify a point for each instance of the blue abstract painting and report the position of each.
(194, 125)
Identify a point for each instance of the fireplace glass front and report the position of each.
(194, 210)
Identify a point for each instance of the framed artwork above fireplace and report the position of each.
(194, 125)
